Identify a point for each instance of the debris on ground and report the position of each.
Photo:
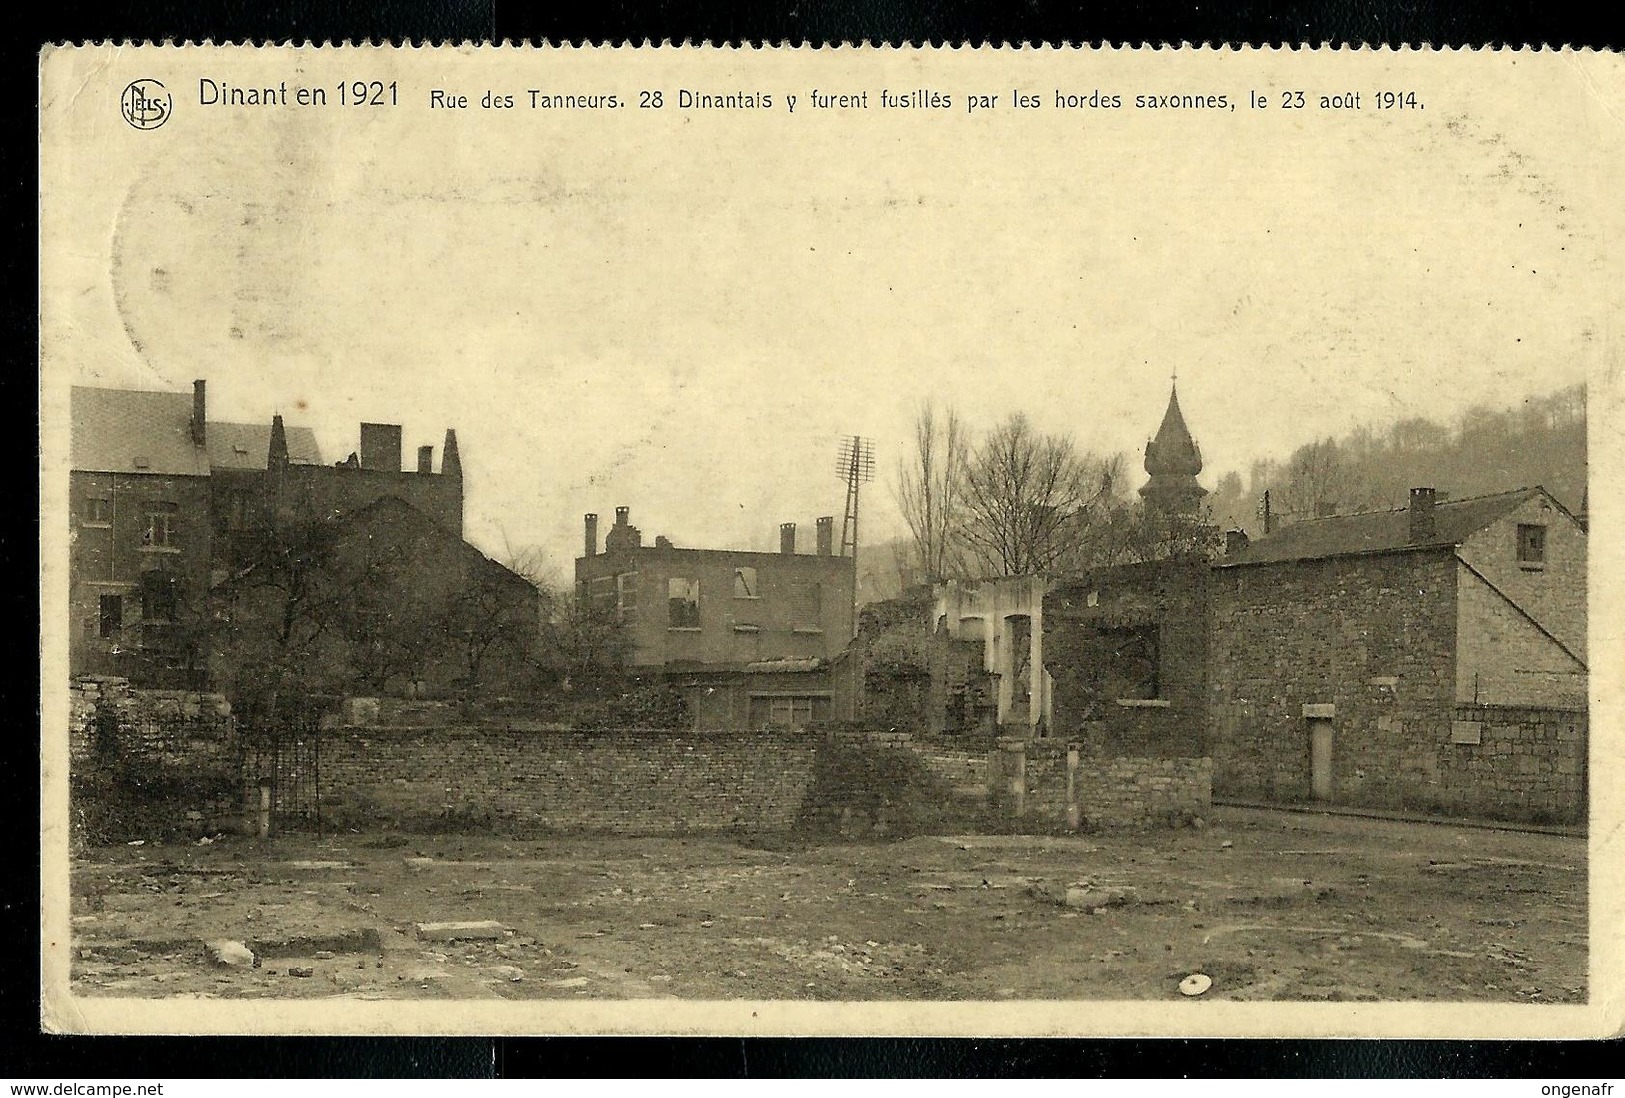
(481, 930)
(1195, 984)
(230, 954)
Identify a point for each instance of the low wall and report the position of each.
(1513, 763)
(622, 782)
(146, 718)
(149, 764)
(1029, 779)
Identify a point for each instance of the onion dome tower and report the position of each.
(1173, 460)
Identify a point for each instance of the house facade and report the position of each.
(168, 506)
(1431, 657)
(729, 624)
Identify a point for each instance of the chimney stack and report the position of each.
(787, 538)
(591, 535)
(826, 535)
(1423, 526)
(200, 413)
(381, 446)
(623, 536)
(425, 459)
(1235, 541)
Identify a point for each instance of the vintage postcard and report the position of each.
(831, 541)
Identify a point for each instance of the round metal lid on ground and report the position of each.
(1195, 984)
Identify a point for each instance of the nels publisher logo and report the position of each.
(146, 105)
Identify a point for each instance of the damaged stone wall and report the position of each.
(149, 763)
(622, 782)
(1109, 790)
(143, 716)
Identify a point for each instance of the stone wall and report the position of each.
(1368, 641)
(1084, 617)
(148, 721)
(166, 764)
(1511, 763)
(1367, 645)
(1108, 790)
(617, 782)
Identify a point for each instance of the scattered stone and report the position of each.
(483, 930)
(648, 926)
(1226, 845)
(230, 954)
(1095, 899)
(571, 981)
(511, 973)
(324, 954)
(1195, 984)
(303, 971)
(707, 922)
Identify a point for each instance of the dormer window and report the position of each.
(1531, 545)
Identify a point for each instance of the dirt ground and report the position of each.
(1269, 905)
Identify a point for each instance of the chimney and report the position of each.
(451, 461)
(826, 535)
(591, 535)
(787, 538)
(623, 516)
(1235, 541)
(425, 460)
(277, 452)
(381, 446)
(200, 413)
(1423, 528)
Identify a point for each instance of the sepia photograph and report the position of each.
(688, 540)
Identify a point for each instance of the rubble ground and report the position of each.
(1268, 905)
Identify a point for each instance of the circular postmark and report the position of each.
(146, 104)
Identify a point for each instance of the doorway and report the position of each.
(1320, 758)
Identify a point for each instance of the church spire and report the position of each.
(1173, 459)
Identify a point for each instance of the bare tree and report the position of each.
(1029, 497)
(930, 490)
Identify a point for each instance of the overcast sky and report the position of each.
(685, 316)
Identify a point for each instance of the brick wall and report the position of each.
(623, 782)
(1110, 790)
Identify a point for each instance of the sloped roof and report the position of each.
(1382, 531)
(1173, 452)
(132, 431)
(247, 445)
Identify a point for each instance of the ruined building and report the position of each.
(753, 639)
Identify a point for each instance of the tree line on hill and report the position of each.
(1017, 501)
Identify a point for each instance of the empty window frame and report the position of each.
(682, 603)
(745, 584)
(110, 615)
(1531, 543)
(158, 598)
(98, 511)
(807, 606)
(1132, 665)
(160, 529)
(789, 711)
(626, 596)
